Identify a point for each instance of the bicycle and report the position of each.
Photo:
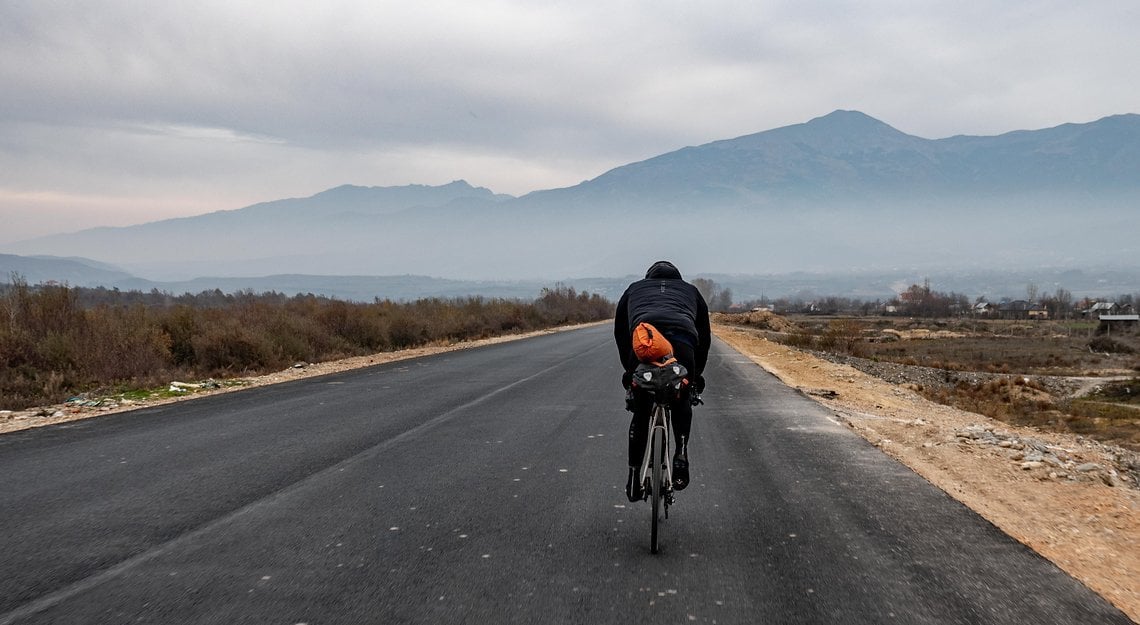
(667, 384)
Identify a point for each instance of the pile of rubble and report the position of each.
(1114, 466)
(757, 319)
(935, 378)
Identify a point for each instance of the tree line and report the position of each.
(920, 300)
(57, 341)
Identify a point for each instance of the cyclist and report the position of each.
(677, 309)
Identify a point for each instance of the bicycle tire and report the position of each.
(656, 486)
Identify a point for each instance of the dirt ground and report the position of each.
(1060, 495)
(1072, 505)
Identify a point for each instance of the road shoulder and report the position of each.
(1084, 520)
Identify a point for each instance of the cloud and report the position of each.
(239, 100)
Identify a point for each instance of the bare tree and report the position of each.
(1064, 302)
(706, 287)
(722, 300)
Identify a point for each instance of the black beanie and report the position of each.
(663, 269)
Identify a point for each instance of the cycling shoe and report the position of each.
(633, 490)
(680, 472)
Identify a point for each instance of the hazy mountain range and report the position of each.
(841, 193)
(1101, 282)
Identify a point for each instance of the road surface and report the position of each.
(487, 486)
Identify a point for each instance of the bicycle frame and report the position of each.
(659, 420)
(667, 384)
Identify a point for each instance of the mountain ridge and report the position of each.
(832, 155)
(848, 187)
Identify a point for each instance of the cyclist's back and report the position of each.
(677, 309)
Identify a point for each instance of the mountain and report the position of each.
(847, 155)
(83, 272)
(354, 225)
(837, 153)
(843, 191)
(349, 203)
(72, 271)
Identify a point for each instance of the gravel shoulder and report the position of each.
(1072, 500)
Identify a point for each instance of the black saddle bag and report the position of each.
(666, 383)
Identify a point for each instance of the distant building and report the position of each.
(1017, 309)
(1119, 323)
(1021, 309)
(1102, 308)
(984, 309)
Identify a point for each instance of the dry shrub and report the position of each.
(843, 335)
(180, 324)
(229, 346)
(51, 346)
(801, 337)
(56, 341)
(124, 344)
(1109, 345)
(1022, 401)
(1106, 421)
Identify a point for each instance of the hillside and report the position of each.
(72, 271)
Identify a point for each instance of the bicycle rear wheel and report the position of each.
(657, 486)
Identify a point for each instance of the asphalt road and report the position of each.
(487, 486)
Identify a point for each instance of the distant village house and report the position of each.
(1114, 317)
(1100, 309)
(1021, 309)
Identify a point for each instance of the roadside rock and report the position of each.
(932, 378)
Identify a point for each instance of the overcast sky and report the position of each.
(115, 112)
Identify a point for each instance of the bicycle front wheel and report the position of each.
(657, 487)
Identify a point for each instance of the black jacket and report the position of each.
(672, 305)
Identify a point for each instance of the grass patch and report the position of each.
(1119, 392)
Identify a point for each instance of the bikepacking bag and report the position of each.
(650, 346)
(670, 380)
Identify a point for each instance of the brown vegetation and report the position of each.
(56, 341)
(1000, 369)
